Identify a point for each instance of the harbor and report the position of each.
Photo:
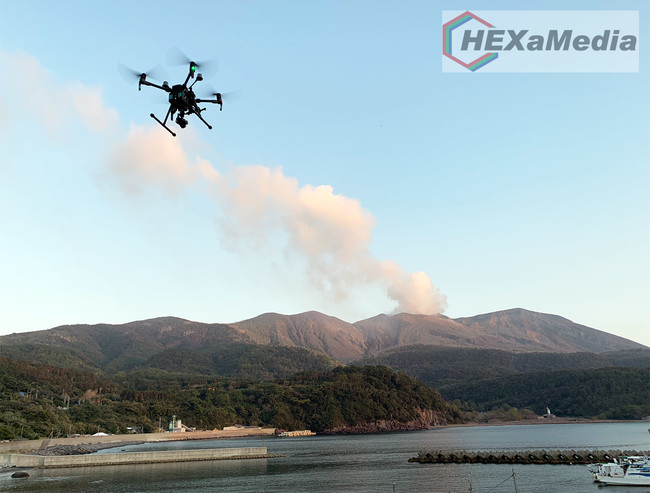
(359, 463)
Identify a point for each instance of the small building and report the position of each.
(175, 426)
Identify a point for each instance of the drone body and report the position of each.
(182, 100)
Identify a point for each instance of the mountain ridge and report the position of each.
(116, 347)
(313, 330)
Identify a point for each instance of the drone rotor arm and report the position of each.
(213, 101)
(163, 88)
(190, 75)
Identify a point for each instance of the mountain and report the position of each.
(313, 330)
(207, 347)
(170, 343)
(515, 330)
(120, 347)
(526, 330)
(266, 371)
(386, 331)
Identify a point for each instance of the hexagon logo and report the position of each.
(447, 29)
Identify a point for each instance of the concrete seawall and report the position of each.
(46, 462)
(26, 445)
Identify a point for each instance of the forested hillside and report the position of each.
(614, 385)
(57, 402)
(603, 393)
(236, 360)
(439, 366)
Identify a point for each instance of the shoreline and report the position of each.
(528, 422)
(89, 444)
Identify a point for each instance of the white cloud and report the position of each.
(53, 105)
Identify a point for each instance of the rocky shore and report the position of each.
(424, 420)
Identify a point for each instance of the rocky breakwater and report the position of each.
(565, 457)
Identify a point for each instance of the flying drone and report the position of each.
(182, 100)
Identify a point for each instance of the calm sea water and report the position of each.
(358, 463)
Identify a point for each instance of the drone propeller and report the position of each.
(129, 74)
(176, 57)
(229, 96)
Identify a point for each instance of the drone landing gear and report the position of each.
(198, 113)
(164, 126)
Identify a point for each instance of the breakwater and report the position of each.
(47, 462)
(27, 445)
(522, 457)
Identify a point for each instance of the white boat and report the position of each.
(628, 471)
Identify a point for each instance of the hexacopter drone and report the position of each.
(182, 100)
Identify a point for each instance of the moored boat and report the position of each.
(628, 471)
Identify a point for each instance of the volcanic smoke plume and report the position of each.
(331, 232)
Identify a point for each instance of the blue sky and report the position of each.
(351, 176)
